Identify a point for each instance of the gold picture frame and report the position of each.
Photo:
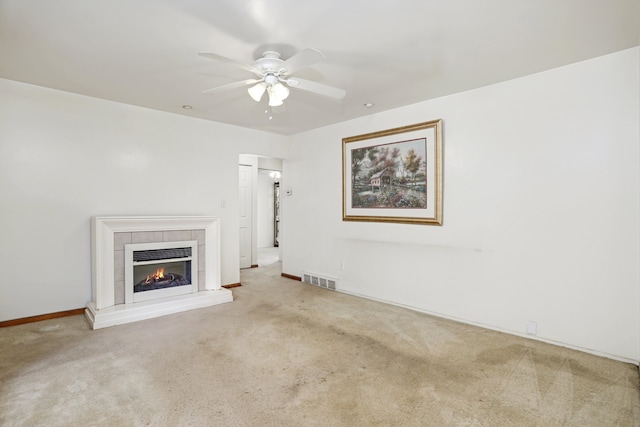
(394, 175)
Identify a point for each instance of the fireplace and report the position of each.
(159, 270)
(145, 267)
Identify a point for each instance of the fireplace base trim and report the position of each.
(127, 313)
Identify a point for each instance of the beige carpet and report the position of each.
(289, 354)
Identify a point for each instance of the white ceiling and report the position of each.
(391, 53)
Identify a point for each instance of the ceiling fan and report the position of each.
(273, 76)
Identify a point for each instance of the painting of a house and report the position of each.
(390, 175)
(381, 178)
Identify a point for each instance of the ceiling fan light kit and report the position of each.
(273, 76)
(257, 91)
(277, 93)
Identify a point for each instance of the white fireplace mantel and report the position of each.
(103, 311)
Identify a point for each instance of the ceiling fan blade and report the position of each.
(230, 61)
(234, 85)
(319, 88)
(302, 60)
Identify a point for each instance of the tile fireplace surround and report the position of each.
(109, 235)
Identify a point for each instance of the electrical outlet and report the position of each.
(532, 328)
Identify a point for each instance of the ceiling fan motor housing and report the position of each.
(270, 63)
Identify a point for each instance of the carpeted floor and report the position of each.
(268, 255)
(289, 354)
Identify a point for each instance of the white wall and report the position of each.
(66, 157)
(270, 163)
(541, 210)
(266, 215)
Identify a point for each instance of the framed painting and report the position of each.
(394, 175)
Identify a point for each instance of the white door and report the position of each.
(245, 216)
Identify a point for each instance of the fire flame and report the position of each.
(159, 274)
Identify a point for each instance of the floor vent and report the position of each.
(319, 281)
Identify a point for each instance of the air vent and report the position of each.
(156, 254)
(320, 281)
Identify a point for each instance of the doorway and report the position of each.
(260, 210)
(268, 199)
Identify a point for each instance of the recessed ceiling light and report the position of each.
(369, 104)
(187, 107)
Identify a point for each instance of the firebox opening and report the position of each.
(163, 275)
(160, 269)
